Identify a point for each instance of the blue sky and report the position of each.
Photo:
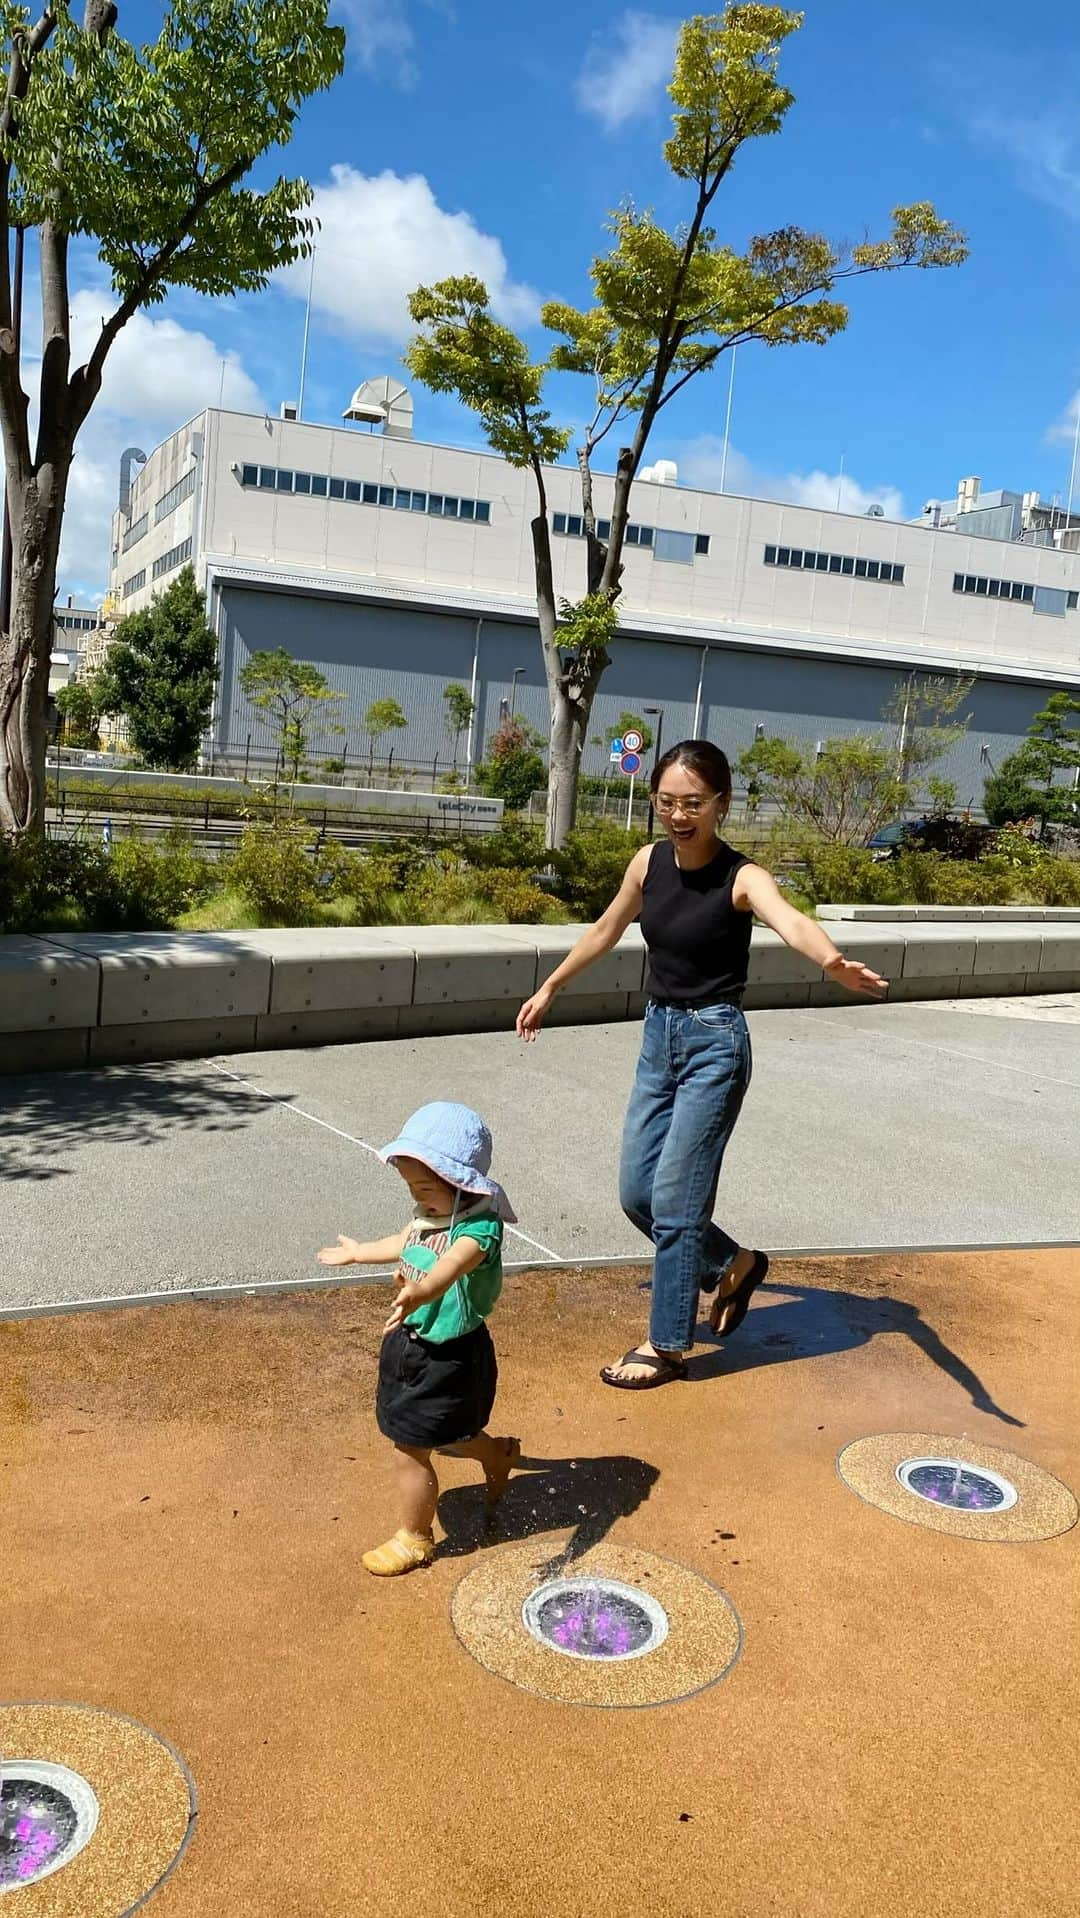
(495, 138)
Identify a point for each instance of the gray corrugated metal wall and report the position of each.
(372, 652)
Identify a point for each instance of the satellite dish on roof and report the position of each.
(875, 512)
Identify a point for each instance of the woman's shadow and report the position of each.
(811, 1321)
(582, 1495)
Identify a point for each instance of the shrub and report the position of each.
(847, 873)
(275, 873)
(39, 880)
(590, 866)
(511, 897)
(517, 844)
(142, 887)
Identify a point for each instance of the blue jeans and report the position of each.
(692, 1076)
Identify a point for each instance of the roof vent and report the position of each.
(386, 403)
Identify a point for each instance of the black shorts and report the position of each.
(435, 1394)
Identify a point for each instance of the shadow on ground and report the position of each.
(811, 1322)
(583, 1495)
(49, 1118)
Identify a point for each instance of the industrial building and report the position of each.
(398, 566)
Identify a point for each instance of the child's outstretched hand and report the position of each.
(345, 1252)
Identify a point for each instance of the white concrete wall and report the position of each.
(728, 592)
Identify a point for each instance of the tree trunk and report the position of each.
(567, 743)
(26, 648)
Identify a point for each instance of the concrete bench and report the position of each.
(74, 998)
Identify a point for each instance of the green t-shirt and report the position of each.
(469, 1301)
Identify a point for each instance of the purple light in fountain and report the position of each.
(595, 1619)
(36, 1822)
(958, 1486)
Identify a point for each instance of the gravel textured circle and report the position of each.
(703, 1641)
(1044, 1507)
(145, 1798)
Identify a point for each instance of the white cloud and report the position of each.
(624, 71)
(380, 237)
(382, 37)
(1044, 151)
(158, 375)
(700, 463)
(1063, 430)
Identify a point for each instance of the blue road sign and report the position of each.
(631, 762)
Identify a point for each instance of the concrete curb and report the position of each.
(77, 999)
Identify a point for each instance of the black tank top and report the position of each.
(698, 942)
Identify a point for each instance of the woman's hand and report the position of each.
(855, 977)
(533, 1013)
(345, 1252)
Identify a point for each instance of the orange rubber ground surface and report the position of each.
(188, 1488)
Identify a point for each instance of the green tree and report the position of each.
(80, 707)
(843, 793)
(143, 151)
(1040, 780)
(382, 716)
(668, 304)
(160, 672)
(460, 707)
(514, 768)
(288, 691)
(923, 711)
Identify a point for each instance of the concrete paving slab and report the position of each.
(189, 1488)
(865, 1125)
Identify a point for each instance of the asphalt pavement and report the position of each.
(869, 1126)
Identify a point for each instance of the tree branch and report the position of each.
(86, 382)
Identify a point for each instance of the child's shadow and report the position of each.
(584, 1495)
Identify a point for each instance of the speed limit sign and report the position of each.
(632, 741)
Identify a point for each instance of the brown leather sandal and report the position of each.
(663, 1371)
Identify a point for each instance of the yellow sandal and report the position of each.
(402, 1553)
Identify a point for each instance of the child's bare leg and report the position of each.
(498, 1456)
(418, 1490)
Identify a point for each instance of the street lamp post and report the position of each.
(658, 713)
(518, 673)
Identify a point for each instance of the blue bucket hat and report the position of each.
(453, 1142)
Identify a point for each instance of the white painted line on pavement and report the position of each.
(298, 1112)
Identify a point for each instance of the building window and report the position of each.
(135, 533)
(678, 548)
(170, 561)
(1051, 600)
(847, 565)
(701, 544)
(406, 499)
(135, 584)
(183, 490)
(1014, 589)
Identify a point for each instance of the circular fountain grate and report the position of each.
(979, 1492)
(957, 1484)
(595, 1618)
(47, 1814)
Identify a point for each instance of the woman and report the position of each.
(696, 899)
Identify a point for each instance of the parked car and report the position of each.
(890, 840)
